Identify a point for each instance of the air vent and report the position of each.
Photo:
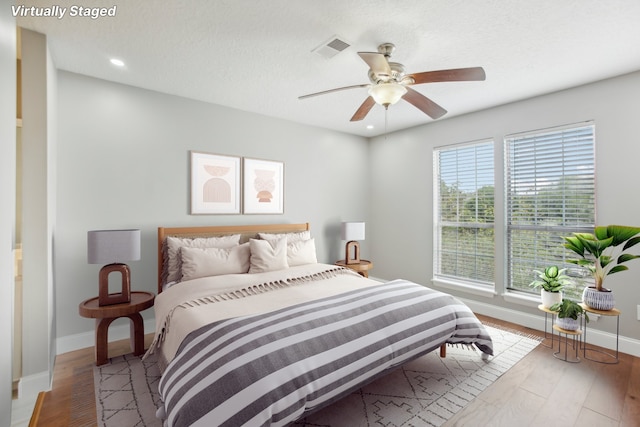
(331, 47)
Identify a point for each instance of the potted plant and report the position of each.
(568, 313)
(603, 252)
(551, 281)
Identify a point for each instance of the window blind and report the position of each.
(550, 193)
(464, 212)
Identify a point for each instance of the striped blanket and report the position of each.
(271, 369)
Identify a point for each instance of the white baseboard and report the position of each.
(603, 339)
(87, 339)
(33, 384)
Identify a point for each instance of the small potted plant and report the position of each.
(568, 313)
(603, 253)
(551, 281)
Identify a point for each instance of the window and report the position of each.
(550, 193)
(464, 207)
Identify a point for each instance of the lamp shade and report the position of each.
(387, 93)
(353, 231)
(113, 246)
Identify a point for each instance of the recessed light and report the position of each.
(117, 62)
(369, 126)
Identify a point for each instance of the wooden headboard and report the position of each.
(246, 231)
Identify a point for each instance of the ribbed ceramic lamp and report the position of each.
(352, 232)
(113, 247)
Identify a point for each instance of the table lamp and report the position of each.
(112, 247)
(352, 232)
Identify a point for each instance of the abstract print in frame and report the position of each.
(263, 186)
(215, 184)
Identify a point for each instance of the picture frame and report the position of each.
(215, 183)
(263, 186)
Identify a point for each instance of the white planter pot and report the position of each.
(568, 323)
(600, 300)
(550, 298)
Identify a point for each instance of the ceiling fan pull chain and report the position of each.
(386, 111)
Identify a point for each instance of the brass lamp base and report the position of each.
(353, 244)
(104, 297)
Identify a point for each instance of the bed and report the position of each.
(252, 330)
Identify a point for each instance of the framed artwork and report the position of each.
(215, 184)
(263, 186)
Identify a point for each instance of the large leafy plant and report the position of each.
(603, 251)
(551, 279)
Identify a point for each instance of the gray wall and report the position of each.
(8, 197)
(402, 181)
(123, 162)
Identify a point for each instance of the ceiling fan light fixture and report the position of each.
(387, 93)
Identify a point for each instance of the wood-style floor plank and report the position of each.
(607, 396)
(589, 418)
(477, 413)
(521, 407)
(631, 409)
(524, 369)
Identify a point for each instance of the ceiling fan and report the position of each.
(389, 83)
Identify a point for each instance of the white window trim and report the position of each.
(458, 285)
(488, 290)
(518, 296)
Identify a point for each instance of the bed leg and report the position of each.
(443, 350)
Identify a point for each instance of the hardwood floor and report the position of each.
(538, 391)
(541, 390)
(71, 401)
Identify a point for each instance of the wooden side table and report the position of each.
(613, 358)
(362, 267)
(106, 314)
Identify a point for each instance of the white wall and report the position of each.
(38, 210)
(123, 161)
(401, 215)
(52, 187)
(8, 197)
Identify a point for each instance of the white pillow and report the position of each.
(291, 237)
(301, 252)
(204, 262)
(268, 255)
(173, 261)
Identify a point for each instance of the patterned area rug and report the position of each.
(425, 392)
(127, 392)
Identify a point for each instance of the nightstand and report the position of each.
(362, 267)
(106, 314)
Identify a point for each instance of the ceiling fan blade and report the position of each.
(332, 90)
(453, 75)
(363, 110)
(377, 62)
(424, 104)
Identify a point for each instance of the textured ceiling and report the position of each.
(256, 55)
